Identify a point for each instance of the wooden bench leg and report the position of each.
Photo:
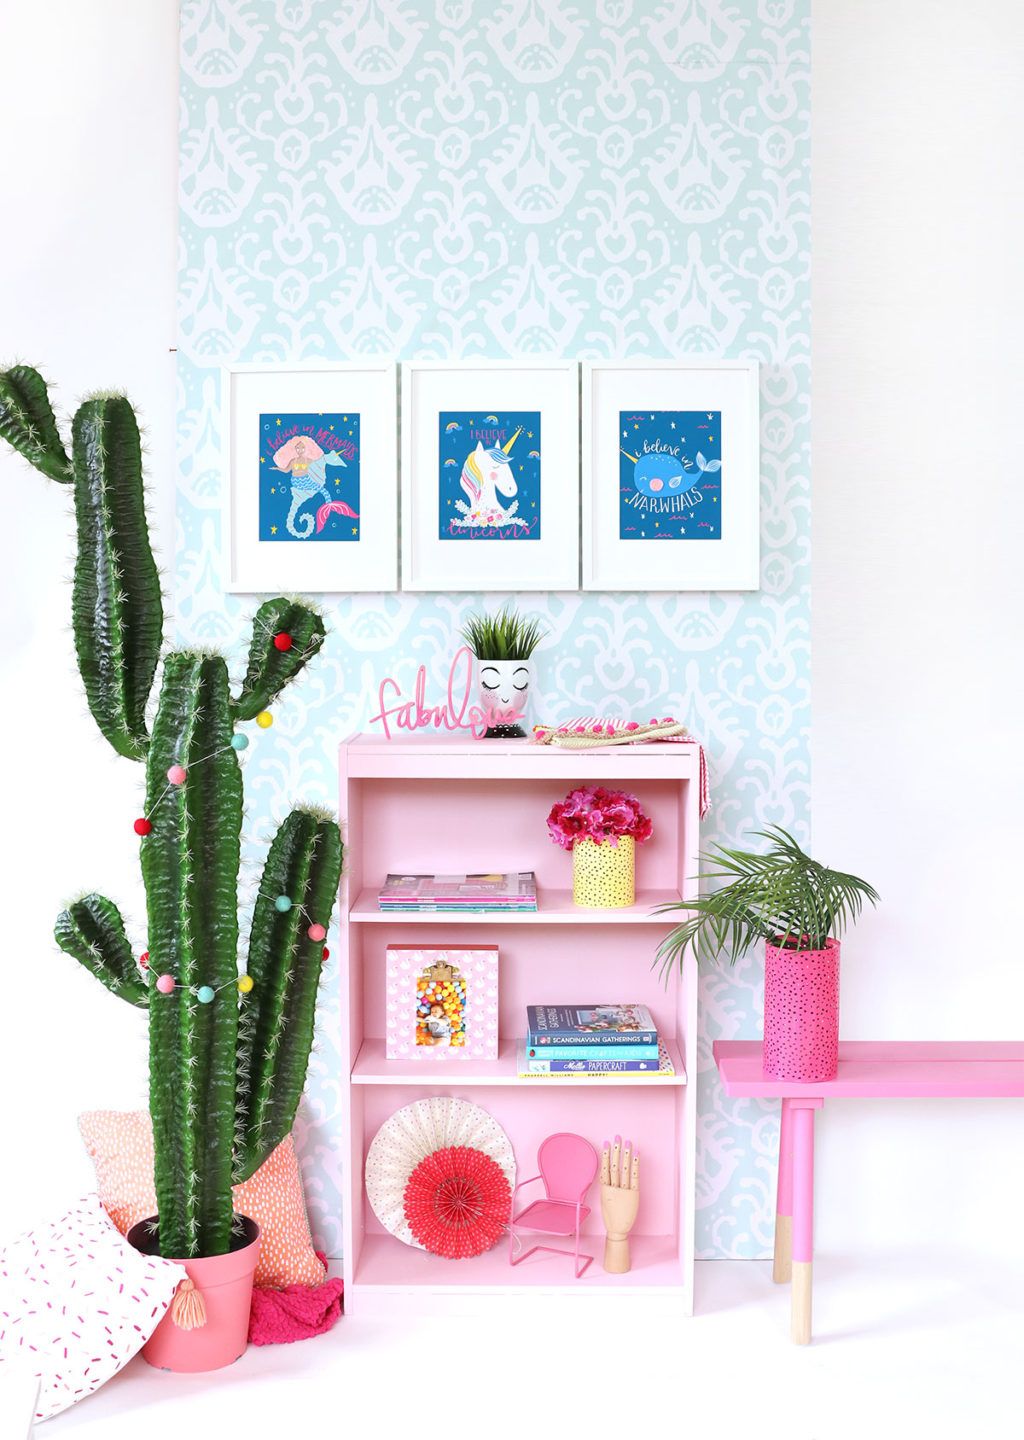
(803, 1216)
(782, 1265)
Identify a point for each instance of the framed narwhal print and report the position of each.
(490, 475)
(670, 475)
(311, 483)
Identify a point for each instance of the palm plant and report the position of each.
(782, 896)
(505, 636)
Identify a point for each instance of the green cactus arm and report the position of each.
(92, 931)
(27, 422)
(269, 669)
(275, 1027)
(190, 864)
(117, 610)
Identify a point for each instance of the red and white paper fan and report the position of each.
(457, 1202)
(415, 1132)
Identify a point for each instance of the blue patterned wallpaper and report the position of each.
(610, 178)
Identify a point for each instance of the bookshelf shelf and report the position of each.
(382, 1267)
(373, 1068)
(449, 805)
(554, 907)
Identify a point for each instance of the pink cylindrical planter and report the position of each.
(207, 1325)
(801, 1013)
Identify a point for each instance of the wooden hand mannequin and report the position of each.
(620, 1200)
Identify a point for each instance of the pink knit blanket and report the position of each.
(295, 1312)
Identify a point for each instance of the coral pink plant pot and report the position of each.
(224, 1283)
(801, 1013)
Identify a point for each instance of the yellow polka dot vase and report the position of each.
(604, 873)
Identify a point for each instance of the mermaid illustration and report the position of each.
(302, 458)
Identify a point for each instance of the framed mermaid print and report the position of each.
(311, 485)
(671, 475)
(490, 475)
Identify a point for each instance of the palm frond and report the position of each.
(780, 894)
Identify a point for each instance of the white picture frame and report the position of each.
(343, 544)
(494, 405)
(639, 538)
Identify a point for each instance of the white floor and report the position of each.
(905, 1346)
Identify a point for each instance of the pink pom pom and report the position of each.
(317, 932)
(176, 775)
(165, 984)
(580, 730)
(632, 725)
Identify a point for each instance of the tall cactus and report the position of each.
(227, 1054)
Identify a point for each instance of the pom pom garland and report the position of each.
(317, 932)
(244, 983)
(282, 641)
(144, 960)
(165, 984)
(326, 956)
(176, 775)
(239, 742)
(205, 994)
(283, 904)
(142, 826)
(264, 719)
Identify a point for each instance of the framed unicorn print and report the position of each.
(671, 475)
(311, 484)
(490, 475)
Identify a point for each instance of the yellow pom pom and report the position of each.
(245, 984)
(264, 719)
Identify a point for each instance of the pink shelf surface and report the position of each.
(373, 1068)
(387, 1263)
(554, 907)
(421, 756)
(910, 1069)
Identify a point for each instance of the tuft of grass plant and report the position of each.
(505, 636)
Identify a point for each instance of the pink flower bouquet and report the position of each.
(593, 813)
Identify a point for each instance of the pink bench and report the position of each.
(867, 1069)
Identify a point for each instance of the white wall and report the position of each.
(917, 582)
(87, 247)
(917, 658)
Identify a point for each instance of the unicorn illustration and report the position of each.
(302, 459)
(486, 475)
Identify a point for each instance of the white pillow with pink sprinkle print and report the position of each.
(76, 1303)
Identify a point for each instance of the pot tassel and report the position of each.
(188, 1308)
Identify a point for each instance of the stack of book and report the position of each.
(592, 1040)
(476, 894)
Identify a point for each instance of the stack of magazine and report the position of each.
(567, 1040)
(476, 894)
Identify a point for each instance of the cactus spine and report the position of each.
(226, 1075)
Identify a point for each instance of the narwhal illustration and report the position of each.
(660, 474)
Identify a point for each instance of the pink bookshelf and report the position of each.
(430, 803)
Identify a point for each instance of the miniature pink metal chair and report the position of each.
(568, 1165)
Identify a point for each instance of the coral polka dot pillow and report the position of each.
(120, 1144)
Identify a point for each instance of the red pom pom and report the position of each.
(457, 1202)
(144, 959)
(142, 826)
(282, 640)
(327, 953)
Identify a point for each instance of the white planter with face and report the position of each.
(503, 686)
